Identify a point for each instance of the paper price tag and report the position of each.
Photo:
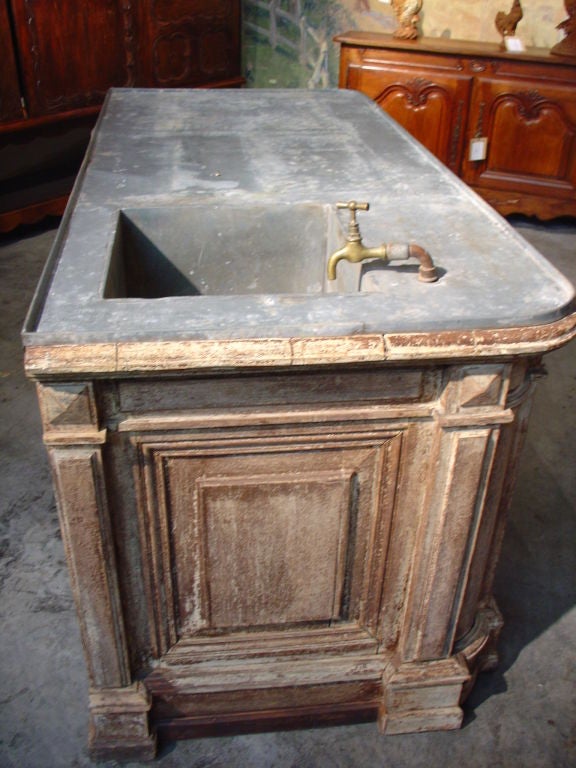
(514, 44)
(478, 149)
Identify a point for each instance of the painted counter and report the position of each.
(282, 499)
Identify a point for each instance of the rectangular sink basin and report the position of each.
(223, 250)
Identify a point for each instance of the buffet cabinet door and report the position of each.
(189, 43)
(428, 97)
(266, 531)
(537, 115)
(70, 54)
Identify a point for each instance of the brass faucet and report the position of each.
(354, 250)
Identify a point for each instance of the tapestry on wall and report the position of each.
(288, 43)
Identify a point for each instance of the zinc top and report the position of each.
(180, 160)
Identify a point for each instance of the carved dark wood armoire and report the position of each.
(59, 60)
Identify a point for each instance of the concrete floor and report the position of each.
(523, 714)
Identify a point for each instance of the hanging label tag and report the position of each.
(514, 45)
(478, 149)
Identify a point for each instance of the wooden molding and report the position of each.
(127, 357)
(86, 531)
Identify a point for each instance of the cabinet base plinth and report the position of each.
(414, 697)
(119, 728)
(420, 721)
(123, 750)
(424, 696)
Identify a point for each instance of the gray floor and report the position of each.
(523, 714)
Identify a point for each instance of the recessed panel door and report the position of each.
(266, 533)
(531, 130)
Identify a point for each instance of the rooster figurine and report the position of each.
(406, 12)
(506, 23)
(567, 46)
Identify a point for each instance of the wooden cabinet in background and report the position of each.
(448, 93)
(59, 60)
(531, 128)
(10, 102)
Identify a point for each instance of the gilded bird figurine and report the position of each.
(506, 23)
(406, 12)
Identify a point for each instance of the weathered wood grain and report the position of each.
(173, 356)
(260, 548)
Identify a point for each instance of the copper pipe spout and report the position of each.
(427, 271)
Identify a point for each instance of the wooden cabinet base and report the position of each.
(424, 696)
(317, 691)
(297, 522)
(239, 564)
(31, 214)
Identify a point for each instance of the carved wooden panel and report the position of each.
(190, 43)
(260, 535)
(430, 102)
(255, 548)
(499, 495)
(172, 54)
(193, 56)
(60, 57)
(271, 389)
(462, 502)
(539, 117)
(266, 530)
(169, 10)
(434, 112)
(455, 510)
(67, 405)
(448, 92)
(70, 57)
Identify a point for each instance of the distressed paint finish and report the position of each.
(397, 347)
(119, 709)
(296, 525)
(322, 559)
(119, 723)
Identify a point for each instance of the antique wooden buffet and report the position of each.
(504, 122)
(281, 497)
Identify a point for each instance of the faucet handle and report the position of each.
(353, 228)
(354, 206)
